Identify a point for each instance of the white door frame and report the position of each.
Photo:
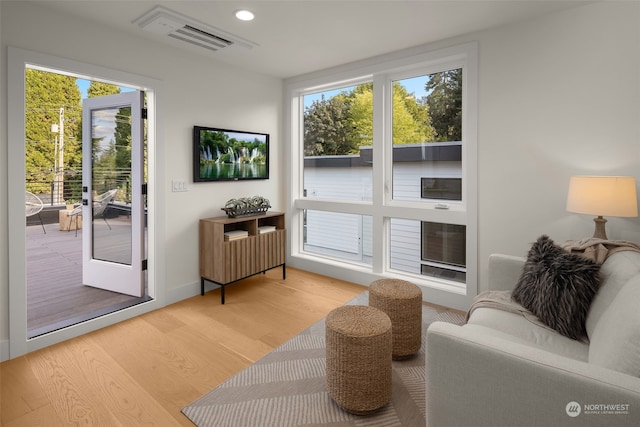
(18, 61)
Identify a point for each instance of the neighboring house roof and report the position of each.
(434, 152)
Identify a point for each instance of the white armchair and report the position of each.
(100, 203)
(33, 206)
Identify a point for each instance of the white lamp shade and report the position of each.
(603, 195)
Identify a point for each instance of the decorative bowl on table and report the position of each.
(246, 206)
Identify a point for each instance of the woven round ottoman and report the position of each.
(402, 301)
(359, 358)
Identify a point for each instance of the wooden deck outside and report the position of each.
(56, 297)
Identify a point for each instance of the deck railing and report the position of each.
(55, 192)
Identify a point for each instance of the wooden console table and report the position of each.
(226, 261)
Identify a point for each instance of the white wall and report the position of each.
(196, 90)
(559, 96)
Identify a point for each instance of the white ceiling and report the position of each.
(299, 36)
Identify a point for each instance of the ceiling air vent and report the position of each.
(166, 22)
(200, 38)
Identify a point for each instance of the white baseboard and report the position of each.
(4, 350)
(187, 291)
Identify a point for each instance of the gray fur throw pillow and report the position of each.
(558, 287)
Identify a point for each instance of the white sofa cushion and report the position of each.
(615, 272)
(615, 341)
(527, 332)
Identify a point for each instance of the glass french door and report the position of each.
(112, 195)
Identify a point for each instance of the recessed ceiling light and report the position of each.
(244, 15)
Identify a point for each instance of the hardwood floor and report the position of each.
(144, 370)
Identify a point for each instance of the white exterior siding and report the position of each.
(336, 231)
(338, 183)
(405, 245)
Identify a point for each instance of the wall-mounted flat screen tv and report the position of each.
(229, 155)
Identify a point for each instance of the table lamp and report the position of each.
(603, 196)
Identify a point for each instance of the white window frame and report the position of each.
(383, 71)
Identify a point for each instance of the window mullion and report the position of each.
(381, 177)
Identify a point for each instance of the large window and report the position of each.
(387, 163)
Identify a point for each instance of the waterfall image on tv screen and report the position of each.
(223, 154)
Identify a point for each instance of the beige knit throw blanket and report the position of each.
(501, 300)
(598, 249)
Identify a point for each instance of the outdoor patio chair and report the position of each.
(33, 205)
(100, 203)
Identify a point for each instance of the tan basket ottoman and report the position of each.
(402, 301)
(359, 358)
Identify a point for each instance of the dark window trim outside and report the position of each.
(433, 152)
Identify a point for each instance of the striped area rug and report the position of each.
(287, 387)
